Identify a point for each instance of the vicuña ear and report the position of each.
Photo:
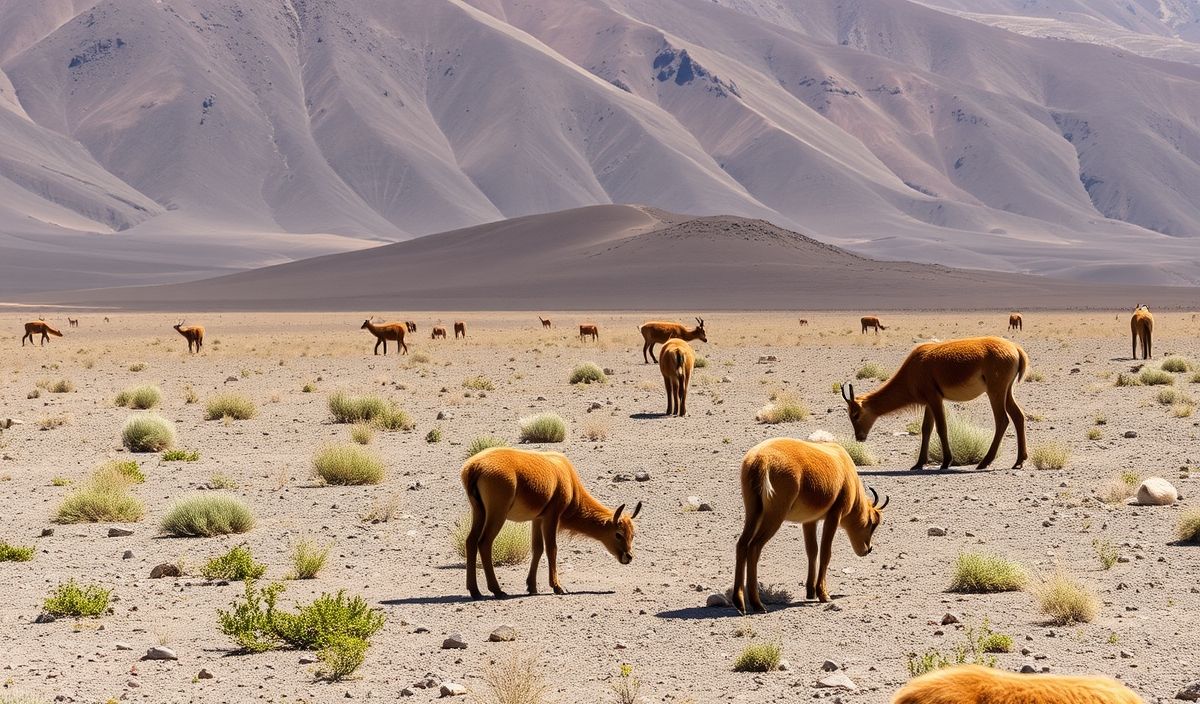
(636, 510)
(617, 513)
(848, 391)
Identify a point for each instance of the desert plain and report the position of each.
(649, 617)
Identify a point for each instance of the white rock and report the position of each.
(837, 681)
(1156, 491)
(452, 689)
(160, 652)
(1190, 692)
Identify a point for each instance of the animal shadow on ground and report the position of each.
(703, 612)
(648, 416)
(465, 598)
(928, 471)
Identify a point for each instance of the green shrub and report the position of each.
(62, 386)
(1052, 455)
(394, 419)
(543, 427)
(981, 573)
(511, 546)
(117, 472)
(233, 406)
(71, 599)
(180, 456)
(976, 650)
(148, 432)
(251, 621)
(1094, 434)
(347, 465)
(138, 367)
(1124, 379)
(1106, 551)
(308, 559)
(1155, 377)
(140, 397)
(588, 373)
(330, 615)
(485, 442)
(479, 383)
(14, 553)
(968, 442)
(362, 433)
(785, 407)
(701, 362)
(341, 656)
(234, 566)
(1065, 600)
(355, 409)
(871, 370)
(859, 452)
(434, 435)
(308, 388)
(1177, 365)
(1195, 378)
(758, 657)
(207, 515)
(100, 502)
(1188, 528)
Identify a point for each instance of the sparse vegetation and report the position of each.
(15, 553)
(341, 656)
(968, 442)
(514, 679)
(510, 548)
(977, 649)
(700, 362)
(1106, 551)
(872, 370)
(206, 515)
(785, 407)
(142, 397)
(433, 436)
(77, 601)
(1034, 376)
(59, 386)
(116, 472)
(138, 367)
(588, 373)
(1150, 376)
(1124, 379)
(983, 573)
(484, 442)
(478, 383)
(362, 433)
(543, 427)
(1066, 600)
(859, 452)
(347, 465)
(235, 406)
(234, 566)
(1051, 455)
(627, 687)
(308, 559)
(51, 422)
(1188, 528)
(594, 429)
(758, 657)
(1177, 365)
(148, 432)
(104, 498)
(1094, 434)
(356, 409)
(180, 456)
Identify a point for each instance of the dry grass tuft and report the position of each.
(1188, 528)
(148, 432)
(543, 427)
(1066, 600)
(347, 465)
(758, 657)
(514, 679)
(142, 397)
(968, 442)
(206, 515)
(1051, 455)
(235, 406)
(511, 547)
(981, 573)
(785, 407)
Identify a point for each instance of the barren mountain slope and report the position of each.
(216, 134)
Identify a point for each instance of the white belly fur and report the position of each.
(966, 392)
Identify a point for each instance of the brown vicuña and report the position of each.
(803, 323)
(193, 333)
(438, 331)
(521, 485)
(387, 331)
(1142, 326)
(655, 332)
(411, 325)
(975, 684)
(460, 328)
(1016, 322)
(587, 330)
(73, 322)
(545, 323)
(784, 479)
(675, 361)
(35, 327)
(870, 321)
(955, 370)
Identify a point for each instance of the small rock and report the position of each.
(47, 532)
(937, 531)
(204, 675)
(948, 619)
(406, 692)
(837, 681)
(452, 689)
(830, 666)
(642, 476)
(704, 507)
(716, 601)
(166, 569)
(610, 371)
(784, 665)
(1156, 491)
(160, 652)
(127, 555)
(229, 379)
(420, 629)
(455, 641)
(44, 618)
(119, 532)
(503, 634)
(1126, 654)
(1027, 668)
(1190, 692)
(308, 659)
(122, 646)
(620, 478)
(595, 406)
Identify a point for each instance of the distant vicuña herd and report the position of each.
(782, 479)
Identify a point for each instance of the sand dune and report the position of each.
(617, 258)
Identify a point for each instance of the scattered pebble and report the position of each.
(455, 641)
(160, 652)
